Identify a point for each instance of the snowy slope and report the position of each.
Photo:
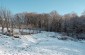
(40, 44)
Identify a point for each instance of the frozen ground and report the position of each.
(40, 44)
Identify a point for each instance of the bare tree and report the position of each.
(56, 21)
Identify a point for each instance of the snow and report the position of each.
(40, 44)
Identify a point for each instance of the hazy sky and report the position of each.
(44, 6)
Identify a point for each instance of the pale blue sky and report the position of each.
(44, 6)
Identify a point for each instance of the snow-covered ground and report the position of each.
(40, 44)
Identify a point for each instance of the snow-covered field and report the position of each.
(40, 44)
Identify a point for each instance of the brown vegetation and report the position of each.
(68, 23)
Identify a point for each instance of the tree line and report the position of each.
(53, 21)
